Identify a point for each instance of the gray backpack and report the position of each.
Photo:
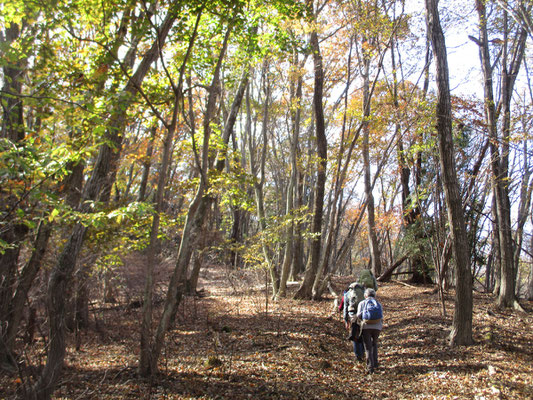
(356, 294)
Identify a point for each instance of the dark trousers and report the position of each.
(358, 341)
(370, 340)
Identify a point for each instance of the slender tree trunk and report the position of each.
(145, 361)
(297, 265)
(529, 293)
(511, 62)
(334, 218)
(289, 246)
(293, 254)
(27, 276)
(257, 170)
(305, 290)
(147, 163)
(495, 249)
(198, 207)
(461, 333)
(373, 245)
(526, 188)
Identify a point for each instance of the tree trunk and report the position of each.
(292, 254)
(258, 171)
(461, 333)
(198, 207)
(13, 130)
(386, 276)
(289, 246)
(25, 281)
(529, 293)
(334, 218)
(495, 248)
(373, 245)
(526, 188)
(145, 361)
(306, 288)
(499, 159)
(146, 164)
(61, 274)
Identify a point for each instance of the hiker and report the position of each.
(367, 279)
(370, 313)
(341, 303)
(351, 299)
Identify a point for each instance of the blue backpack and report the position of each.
(371, 310)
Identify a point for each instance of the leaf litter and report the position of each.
(234, 342)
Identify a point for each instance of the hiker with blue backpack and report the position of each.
(351, 299)
(370, 313)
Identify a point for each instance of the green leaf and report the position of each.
(53, 215)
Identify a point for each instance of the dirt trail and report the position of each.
(233, 342)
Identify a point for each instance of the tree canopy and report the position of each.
(306, 139)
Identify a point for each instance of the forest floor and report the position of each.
(233, 342)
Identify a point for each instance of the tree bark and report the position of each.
(461, 333)
(292, 231)
(298, 253)
(145, 359)
(13, 131)
(257, 169)
(306, 289)
(526, 188)
(373, 245)
(499, 158)
(529, 292)
(25, 281)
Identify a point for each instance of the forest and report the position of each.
(187, 187)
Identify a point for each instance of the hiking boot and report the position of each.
(360, 358)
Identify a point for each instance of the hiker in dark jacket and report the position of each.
(350, 321)
(371, 328)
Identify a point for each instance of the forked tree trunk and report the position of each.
(145, 359)
(499, 157)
